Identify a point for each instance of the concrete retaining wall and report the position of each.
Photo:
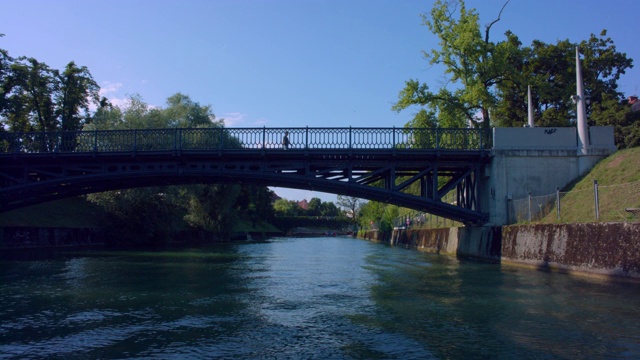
(599, 249)
(602, 249)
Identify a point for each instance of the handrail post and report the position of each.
(95, 141)
(393, 142)
(306, 138)
(350, 131)
(135, 140)
(175, 139)
(264, 137)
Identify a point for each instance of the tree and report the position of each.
(181, 111)
(37, 97)
(330, 209)
(284, 207)
(211, 207)
(550, 70)
(77, 91)
(486, 77)
(32, 95)
(314, 207)
(473, 63)
(352, 206)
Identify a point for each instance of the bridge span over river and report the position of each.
(409, 167)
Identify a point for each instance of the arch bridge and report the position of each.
(408, 167)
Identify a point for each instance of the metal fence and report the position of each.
(244, 138)
(418, 220)
(611, 203)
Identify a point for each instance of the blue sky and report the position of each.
(283, 63)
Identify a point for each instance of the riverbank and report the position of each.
(594, 249)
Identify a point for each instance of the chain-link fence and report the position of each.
(611, 203)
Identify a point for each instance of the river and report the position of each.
(306, 298)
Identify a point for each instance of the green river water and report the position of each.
(306, 298)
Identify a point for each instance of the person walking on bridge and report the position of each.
(285, 140)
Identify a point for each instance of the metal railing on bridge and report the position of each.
(178, 139)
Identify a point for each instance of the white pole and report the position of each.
(583, 131)
(530, 106)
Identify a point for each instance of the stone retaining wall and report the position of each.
(605, 249)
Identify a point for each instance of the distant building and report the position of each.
(304, 204)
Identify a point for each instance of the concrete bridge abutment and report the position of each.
(536, 161)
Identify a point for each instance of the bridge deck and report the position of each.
(377, 164)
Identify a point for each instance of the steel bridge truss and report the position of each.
(417, 181)
(407, 176)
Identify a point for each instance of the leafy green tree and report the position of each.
(106, 117)
(328, 208)
(370, 213)
(609, 111)
(138, 216)
(491, 78)
(550, 70)
(254, 202)
(77, 91)
(473, 63)
(314, 207)
(33, 90)
(284, 207)
(37, 97)
(209, 207)
(181, 111)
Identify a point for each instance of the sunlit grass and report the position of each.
(618, 179)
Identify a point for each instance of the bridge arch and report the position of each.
(378, 164)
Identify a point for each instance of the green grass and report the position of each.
(618, 179)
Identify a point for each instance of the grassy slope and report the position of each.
(578, 205)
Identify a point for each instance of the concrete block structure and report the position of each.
(536, 161)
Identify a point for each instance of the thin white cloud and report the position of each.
(260, 122)
(238, 119)
(109, 87)
(233, 119)
(119, 102)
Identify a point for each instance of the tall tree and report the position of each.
(351, 205)
(183, 112)
(77, 91)
(473, 63)
(35, 84)
(35, 97)
(550, 70)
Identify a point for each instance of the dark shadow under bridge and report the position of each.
(408, 167)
